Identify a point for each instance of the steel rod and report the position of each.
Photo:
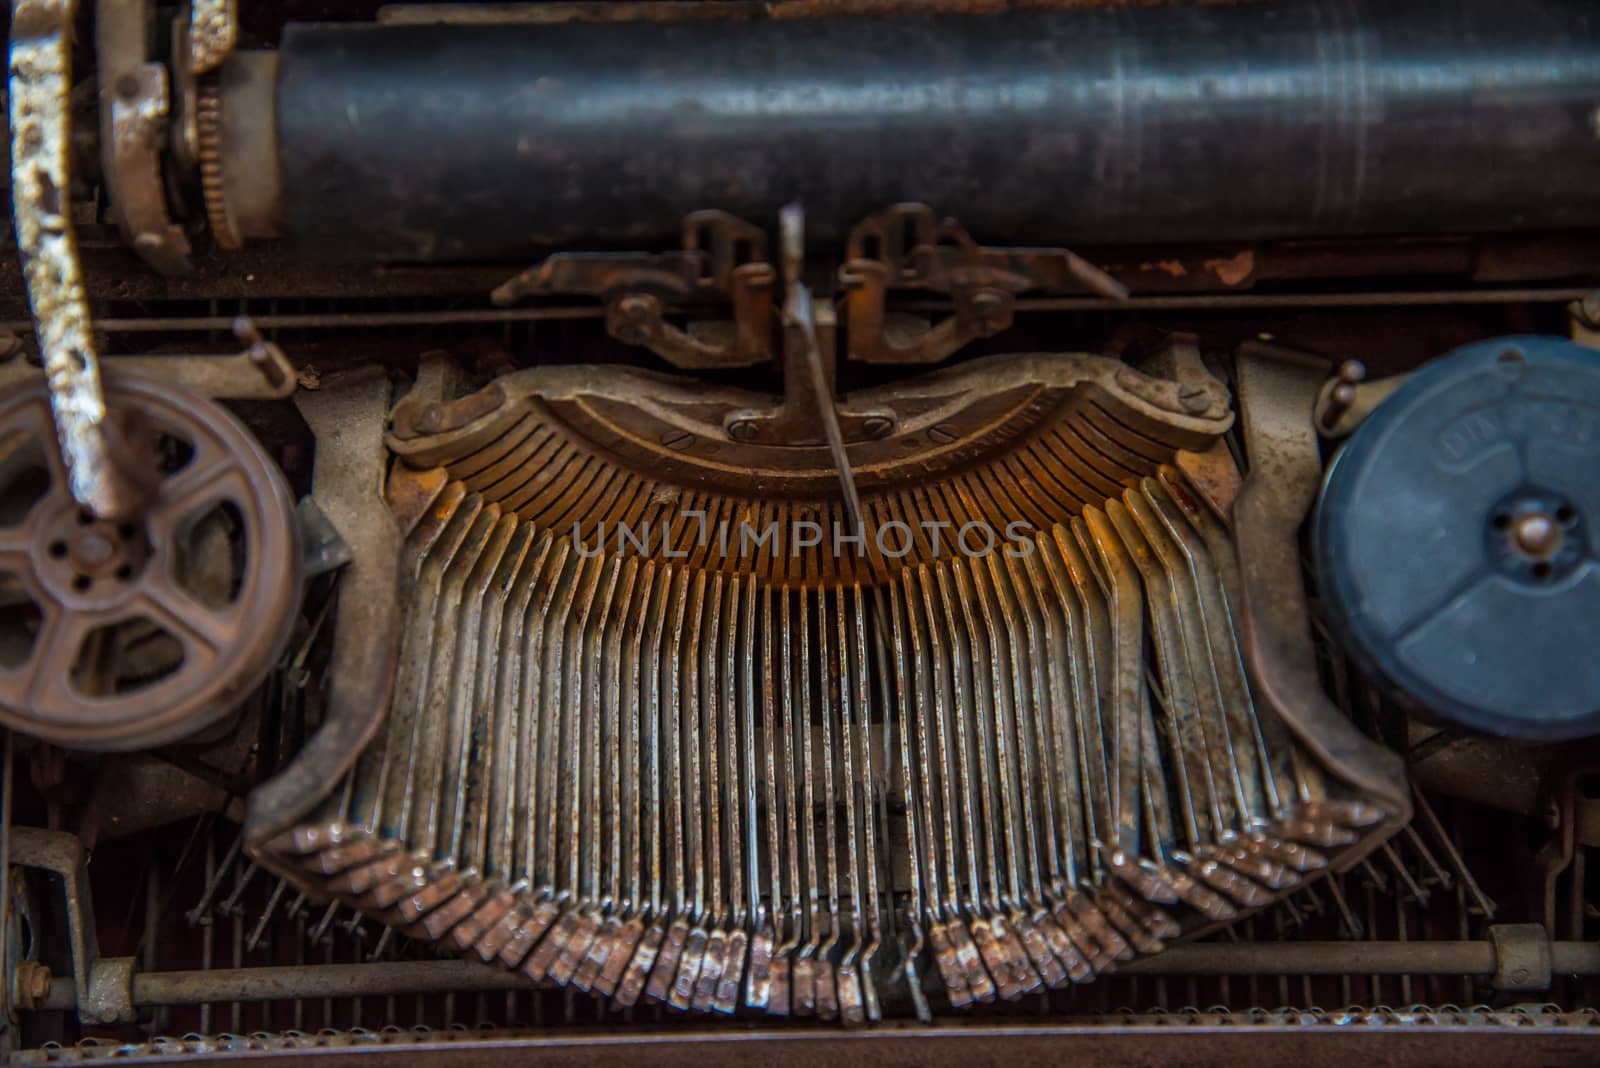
(440, 977)
(1184, 302)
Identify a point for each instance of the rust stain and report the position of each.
(1234, 270)
(1173, 267)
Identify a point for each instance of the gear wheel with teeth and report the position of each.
(208, 124)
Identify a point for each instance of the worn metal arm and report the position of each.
(348, 419)
(1276, 397)
(40, 88)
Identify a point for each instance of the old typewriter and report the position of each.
(930, 531)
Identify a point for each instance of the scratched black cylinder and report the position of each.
(1108, 125)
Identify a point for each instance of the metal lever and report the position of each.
(907, 246)
(41, 84)
(799, 315)
(721, 256)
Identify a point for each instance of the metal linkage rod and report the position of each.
(443, 977)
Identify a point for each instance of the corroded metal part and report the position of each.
(92, 578)
(209, 154)
(63, 854)
(40, 88)
(347, 416)
(721, 256)
(1037, 437)
(1277, 394)
(625, 692)
(213, 33)
(260, 372)
(683, 806)
(1348, 397)
(908, 246)
(135, 115)
(230, 119)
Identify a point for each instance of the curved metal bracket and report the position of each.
(1276, 397)
(1347, 398)
(348, 420)
(721, 256)
(135, 107)
(906, 246)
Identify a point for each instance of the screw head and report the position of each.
(430, 419)
(743, 430)
(632, 318)
(877, 426)
(1195, 399)
(635, 306)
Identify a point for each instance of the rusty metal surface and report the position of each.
(136, 108)
(260, 372)
(1203, 1033)
(1214, 476)
(721, 257)
(1035, 436)
(62, 854)
(1084, 774)
(1080, 1005)
(302, 934)
(1347, 398)
(39, 89)
(1420, 883)
(907, 246)
(91, 578)
(347, 417)
(31, 985)
(213, 33)
(236, 148)
(1277, 395)
(209, 152)
(1526, 959)
(617, 839)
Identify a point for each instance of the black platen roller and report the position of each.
(1176, 122)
